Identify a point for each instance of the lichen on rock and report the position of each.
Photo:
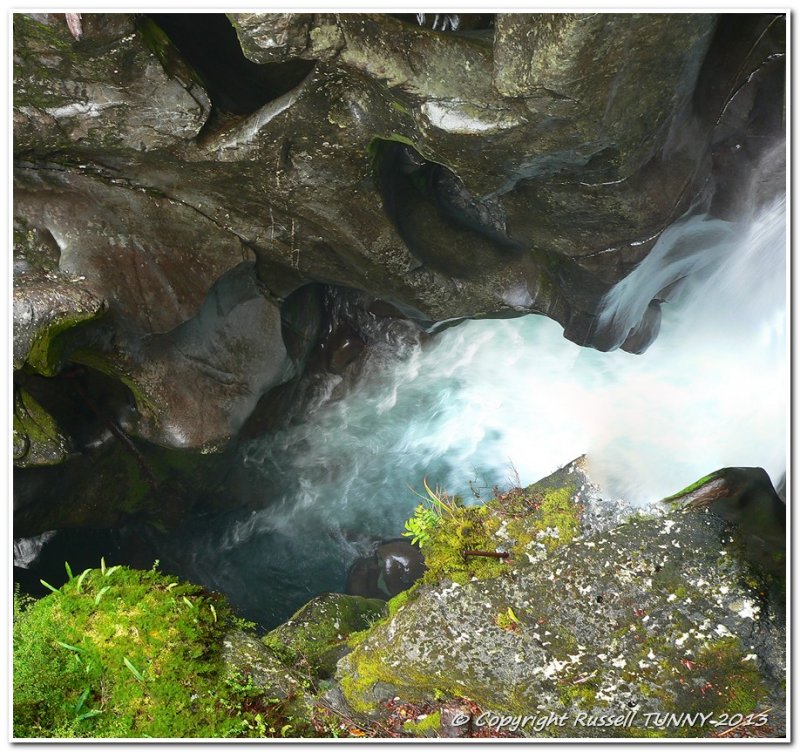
(656, 614)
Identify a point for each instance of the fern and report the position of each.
(429, 514)
(419, 527)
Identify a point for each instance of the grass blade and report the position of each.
(188, 602)
(79, 582)
(50, 587)
(213, 612)
(88, 714)
(111, 570)
(100, 594)
(69, 647)
(103, 565)
(69, 571)
(133, 669)
(81, 699)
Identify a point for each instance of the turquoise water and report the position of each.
(498, 402)
(489, 401)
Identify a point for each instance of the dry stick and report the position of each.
(492, 554)
(742, 723)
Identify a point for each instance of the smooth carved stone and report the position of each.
(210, 371)
(521, 169)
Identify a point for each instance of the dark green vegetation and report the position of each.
(126, 653)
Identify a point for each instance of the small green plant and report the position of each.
(419, 527)
(508, 620)
(427, 516)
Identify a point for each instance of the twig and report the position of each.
(740, 724)
(492, 554)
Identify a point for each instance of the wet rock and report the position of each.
(106, 91)
(746, 498)
(316, 635)
(272, 37)
(659, 614)
(151, 484)
(180, 345)
(394, 566)
(47, 301)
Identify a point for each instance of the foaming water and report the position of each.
(710, 392)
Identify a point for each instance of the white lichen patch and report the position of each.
(745, 609)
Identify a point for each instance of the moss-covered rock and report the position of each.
(316, 636)
(246, 656)
(661, 614)
(37, 438)
(118, 652)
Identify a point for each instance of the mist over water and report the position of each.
(486, 395)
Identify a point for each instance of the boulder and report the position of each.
(315, 638)
(661, 614)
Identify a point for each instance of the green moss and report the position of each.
(579, 696)
(46, 352)
(736, 685)
(718, 680)
(690, 488)
(427, 726)
(403, 598)
(553, 520)
(357, 686)
(463, 529)
(508, 620)
(126, 653)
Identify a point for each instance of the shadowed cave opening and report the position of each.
(236, 85)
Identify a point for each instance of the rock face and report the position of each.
(662, 614)
(523, 163)
(315, 638)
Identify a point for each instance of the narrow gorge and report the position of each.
(480, 316)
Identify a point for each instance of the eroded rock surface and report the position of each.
(661, 614)
(523, 163)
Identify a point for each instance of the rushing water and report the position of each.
(487, 400)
